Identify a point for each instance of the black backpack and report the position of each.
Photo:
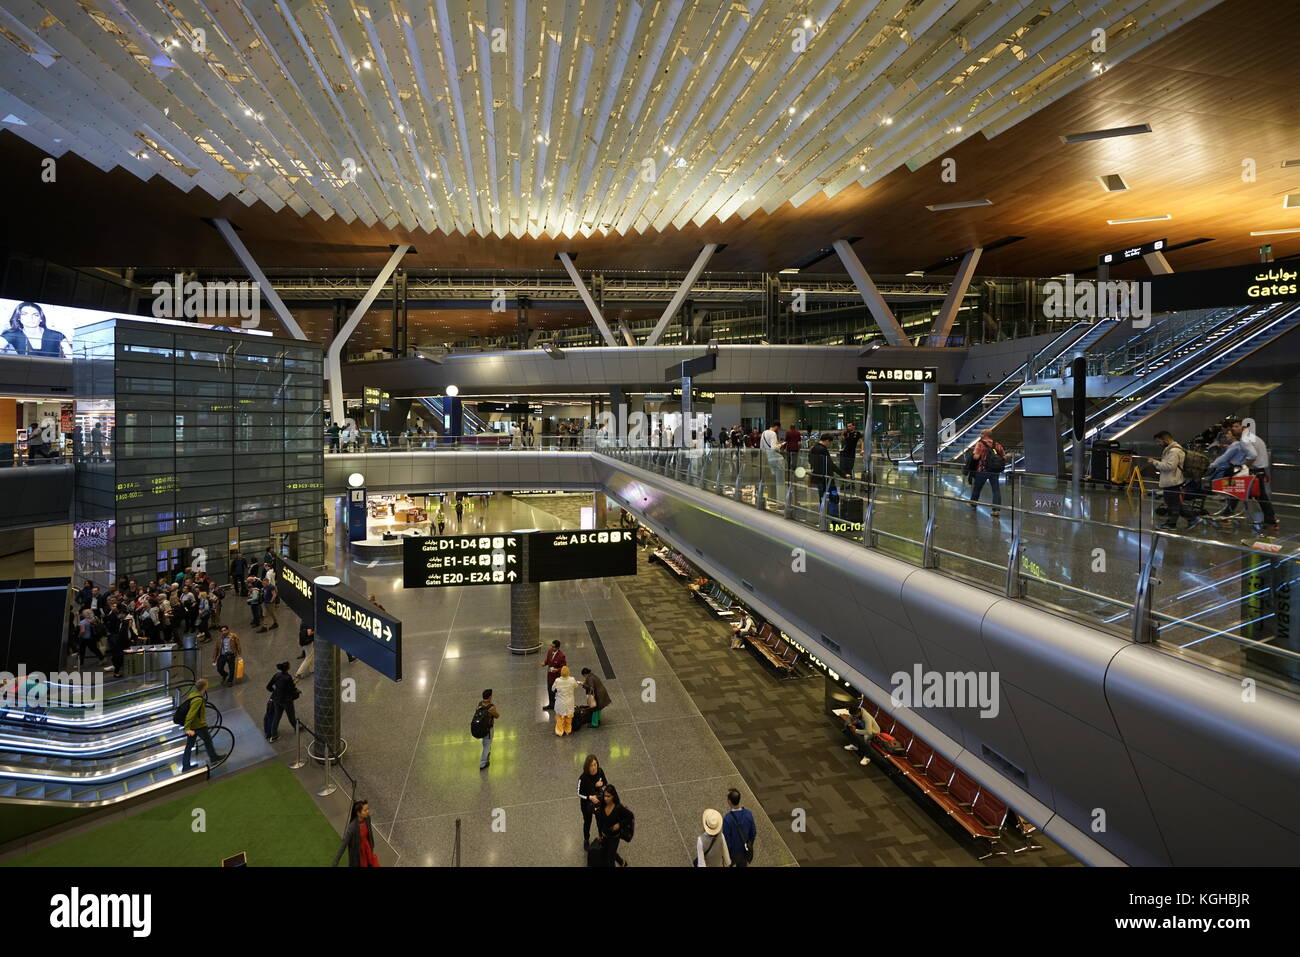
(182, 711)
(481, 723)
(994, 459)
(628, 824)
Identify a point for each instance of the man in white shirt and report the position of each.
(771, 444)
(1259, 467)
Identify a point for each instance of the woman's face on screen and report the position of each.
(30, 318)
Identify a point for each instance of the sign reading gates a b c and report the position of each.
(585, 553)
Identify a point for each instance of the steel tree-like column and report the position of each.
(525, 611)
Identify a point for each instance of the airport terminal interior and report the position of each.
(641, 434)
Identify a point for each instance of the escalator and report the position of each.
(90, 757)
(1004, 398)
(472, 424)
(1174, 372)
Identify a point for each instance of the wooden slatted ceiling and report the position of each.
(1215, 91)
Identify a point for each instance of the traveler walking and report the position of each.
(553, 662)
(591, 793)
(358, 840)
(563, 692)
(615, 823)
(254, 601)
(269, 595)
(710, 850)
(1250, 451)
(306, 635)
(1169, 468)
(283, 692)
(226, 657)
(482, 725)
(738, 831)
(238, 572)
(985, 464)
(792, 443)
(460, 512)
(597, 697)
(770, 443)
(821, 469)
(196, 724)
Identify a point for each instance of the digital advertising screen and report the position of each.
(46, 331)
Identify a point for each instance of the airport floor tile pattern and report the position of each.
(717, 720)
(776, 732)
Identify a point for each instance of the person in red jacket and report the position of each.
(553, 662)
(987, 460)
(792, 443)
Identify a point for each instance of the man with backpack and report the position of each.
(987, 461)
(191, 715)
(481, 725)
(269, 596)
(254, 602)
(1169, 467)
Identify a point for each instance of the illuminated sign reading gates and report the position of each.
(363, 629)
(296, 589)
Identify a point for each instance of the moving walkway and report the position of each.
(118, 749)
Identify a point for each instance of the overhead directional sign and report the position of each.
(345, 618)
(905, 380)
(294, 583)
(562, 556)
(1132, 252)
(444, 560)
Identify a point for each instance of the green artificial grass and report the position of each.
(264, 812)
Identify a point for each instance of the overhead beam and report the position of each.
(876, 305)
(675, 303)
(264, 286)
(1157, 263)
(587, 300)
(334, 355)
(956, 292)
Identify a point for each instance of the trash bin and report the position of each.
(1099, 470)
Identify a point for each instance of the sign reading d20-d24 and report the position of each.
(462, 560)
(588, 553)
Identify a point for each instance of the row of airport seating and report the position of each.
(774, 649)
(968, 804)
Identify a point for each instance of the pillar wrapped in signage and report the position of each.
(327, 701)
(525, 612)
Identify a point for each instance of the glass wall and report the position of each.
(213, 446)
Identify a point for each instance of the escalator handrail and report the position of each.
(69, 711)
(113, 681)
(1183, 334)
(978, 409)
(1239, 336)
(1222, 319)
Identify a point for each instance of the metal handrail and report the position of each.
(1144, 620)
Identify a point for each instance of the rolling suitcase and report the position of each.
(581, 716)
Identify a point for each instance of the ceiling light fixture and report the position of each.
(1137, 219)
(1071, 138)
(1113, 183)
(1274, 232)
(967, 204)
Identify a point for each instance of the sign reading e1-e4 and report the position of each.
(462, 560)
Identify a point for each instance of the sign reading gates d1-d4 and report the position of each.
(462, 560)
(346, 619)
(294, 584)
(561, 556)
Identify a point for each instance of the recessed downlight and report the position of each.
(1291, 201)
(1113, 183)
(1091, 135)
(1137, 219)
(940, 207)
